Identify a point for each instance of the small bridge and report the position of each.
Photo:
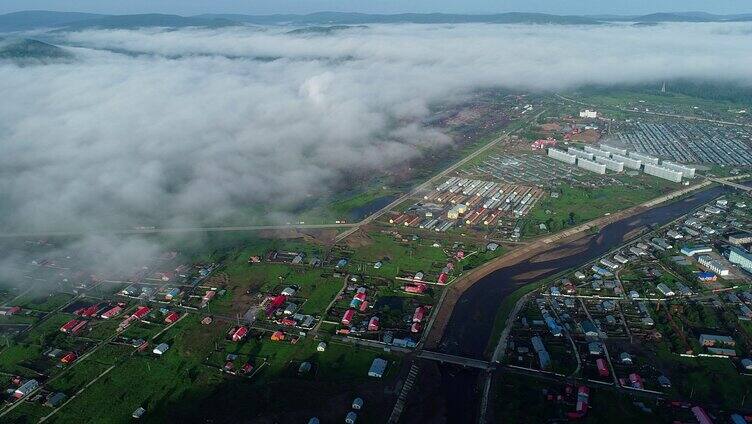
(732, 184)
(457, 360)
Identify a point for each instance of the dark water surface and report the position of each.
(470, 326)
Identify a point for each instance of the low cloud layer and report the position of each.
(178, 127)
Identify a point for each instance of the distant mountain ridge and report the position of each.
(36, 20)
(27, 51)
(345, 18)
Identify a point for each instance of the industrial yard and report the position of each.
(461, 202)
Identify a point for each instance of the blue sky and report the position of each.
(188, 7)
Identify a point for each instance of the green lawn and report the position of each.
(576, 205)
(46, 302)
(145, 379)
(158, 382)
(11, 358)
(397, 257)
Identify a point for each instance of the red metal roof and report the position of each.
(348, 316)
(68, 358)
(419, 314)
(363, 306)
(112, 312)
(171, 317)
(239, 333)
(141, 312)
(69, 325)
(373, 324)
(78, 327)
(602, 367)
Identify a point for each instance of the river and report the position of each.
(469, 329)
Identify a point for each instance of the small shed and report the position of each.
(747, 364)
(55, 399)
(664, 382)
(378, 366)
(138, 413)
(351, 417)
(304, 368)
(161, 349)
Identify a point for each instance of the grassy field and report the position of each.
(46, 302)
(655, 101)
(711, 380)
(183, 373)
(345, 206)
(144, 380)
(576, 205)
(12, 358)
(396, 256)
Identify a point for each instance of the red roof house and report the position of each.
(416, 288)
(420, 313)
(171, 317)
(111, 312)
(240, 333)
(348, 316)
(68, 326)
(277, 336)
(141, 312)
(78, 327)
(373, 324)
(69, 358)
(602, 367)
